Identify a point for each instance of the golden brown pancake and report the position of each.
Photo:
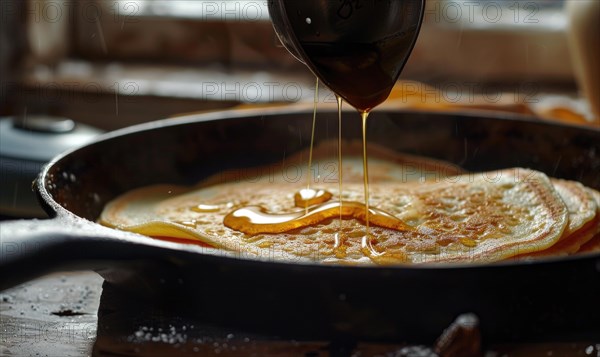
(579, 201)
(469, 218)
(594, 244)
(568, 245)
(583, 221)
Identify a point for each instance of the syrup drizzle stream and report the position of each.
(338, 236)
(312, 142)
(366, 241)
(317, 206)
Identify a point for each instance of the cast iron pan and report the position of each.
(515, 301)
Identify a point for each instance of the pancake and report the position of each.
(569, 245)
(482, 217)
(580, 203)
(583, 221)
(594, 244)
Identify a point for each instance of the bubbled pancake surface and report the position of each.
(482, 217)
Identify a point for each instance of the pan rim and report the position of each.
(56, 210)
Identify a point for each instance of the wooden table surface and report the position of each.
(52, 316)
(72, 314)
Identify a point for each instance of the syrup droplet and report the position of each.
(367, 246)
(386, 257)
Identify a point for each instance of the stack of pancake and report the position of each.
(450, 216)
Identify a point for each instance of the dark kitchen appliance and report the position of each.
(27, 143)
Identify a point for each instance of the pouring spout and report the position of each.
(358, 51)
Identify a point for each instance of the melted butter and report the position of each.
(309, 197)
(256, 219)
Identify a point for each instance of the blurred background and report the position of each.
(114, 63)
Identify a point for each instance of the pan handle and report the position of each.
(31, 248)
